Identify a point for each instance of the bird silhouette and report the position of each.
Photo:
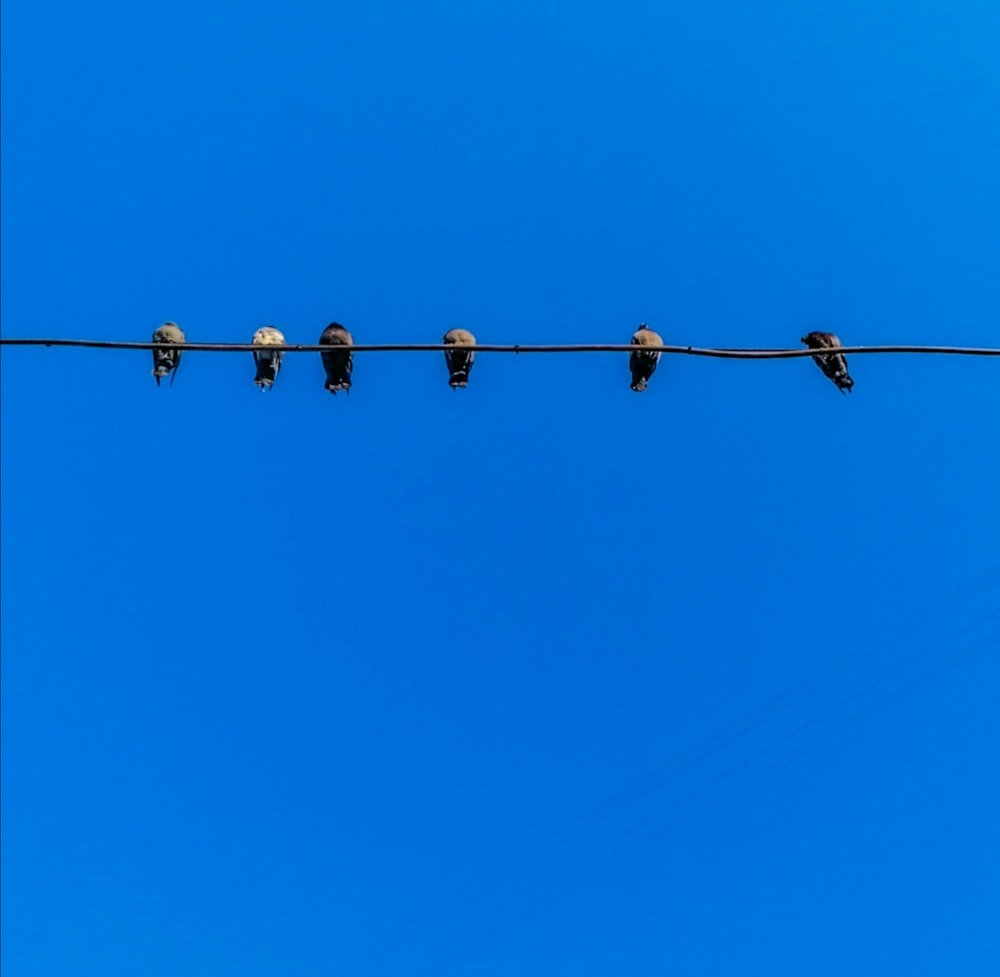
(337, 363)
(166, 361)
(833, 365)
(268, 362)
(643, 362)
(459, 358)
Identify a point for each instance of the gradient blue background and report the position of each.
(544, 677)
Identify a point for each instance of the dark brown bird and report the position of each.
(642, 362)
(459, 359)
(268, 362)
(337, 364)
(833, 365)
(166, 361)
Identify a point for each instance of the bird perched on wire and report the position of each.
(268, 362)
(459, 358)
(337, 363)
(166, 361)
(643, 362)
(833, 365)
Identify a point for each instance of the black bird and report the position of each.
(642, 363)
(166, 361)
(459, 359)
(833, 365)
(337, 364)
(267, 361)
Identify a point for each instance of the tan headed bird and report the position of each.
(268, 362)
(166, 361)
(459, 358)
(642, 362)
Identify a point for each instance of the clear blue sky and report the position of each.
(544, 677)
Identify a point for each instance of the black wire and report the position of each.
(724, 353)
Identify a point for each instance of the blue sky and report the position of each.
(541, 677)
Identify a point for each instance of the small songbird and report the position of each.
(267, 361)
(642, 363)
(338, 365)
(166, 361)
(459, 359)
(833, 365)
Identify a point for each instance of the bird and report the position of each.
(267, 362)
(642, 363)
(459, 358)
(166, 361)
(338, 365)
(833, 365)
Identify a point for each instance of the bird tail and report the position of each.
(164, 365)
(458, 378)
(266, 374)
(639, 385)
(835, 367)
(336, 385)
(337, 366)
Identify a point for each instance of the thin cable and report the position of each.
(723, 353)
(788, 698)
(760, 761)
(478, 929)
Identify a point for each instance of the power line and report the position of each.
(722, 353)
(480, 921)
